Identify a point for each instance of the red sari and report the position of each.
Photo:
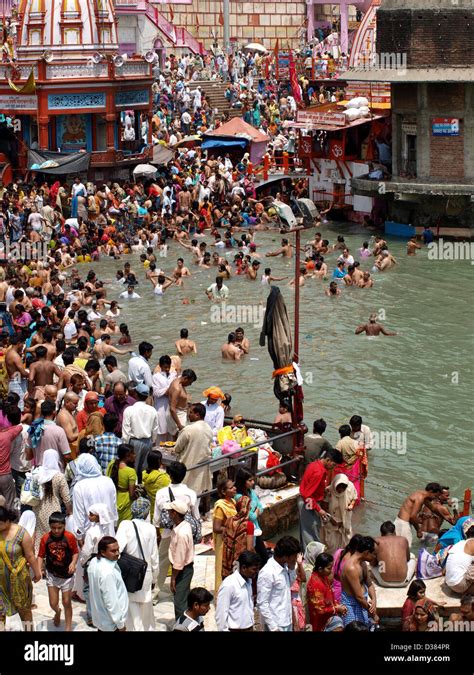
(321, 601)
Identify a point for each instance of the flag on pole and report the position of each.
(198, 25)
(276, 48)
(171, 14)
(221, 18)
(295, 87)
(28, 88)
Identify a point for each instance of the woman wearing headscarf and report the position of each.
(337, 532)
(311, 552)
(54, 492)
(322, 604)
(138, 538)
(91, 488)
(102, 525)
(423, 618)
(237, 536)
(94, 426)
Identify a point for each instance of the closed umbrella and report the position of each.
(145, 170)
(276, 329)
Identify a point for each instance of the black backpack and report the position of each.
(166, 522)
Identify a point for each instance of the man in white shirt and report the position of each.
(214, 410)
(218, 290)
(140, 427)
(139, 372)
(130, 294)
(234, 609)
(361, 432)
(273, 586)
(78, 188)
(177, 490)
(186, 122)
(108, 593)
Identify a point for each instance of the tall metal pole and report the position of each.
(226, 26)
(297, 297)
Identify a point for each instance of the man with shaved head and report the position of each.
(66, 418)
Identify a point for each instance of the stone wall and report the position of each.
(263, 21)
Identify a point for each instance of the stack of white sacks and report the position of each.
(357, 108)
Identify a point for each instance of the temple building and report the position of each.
(69, 88)
(430, 66)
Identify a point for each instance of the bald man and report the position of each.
(66, 419)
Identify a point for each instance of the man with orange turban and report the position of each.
(214, 410)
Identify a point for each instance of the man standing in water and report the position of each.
(230, 351)
(286, 250)
(411, 507)
(184, 345)
(373, 328)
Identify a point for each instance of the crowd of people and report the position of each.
(86, 492)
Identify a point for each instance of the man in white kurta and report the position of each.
(140, 615)
(193, 447)
(161, 383)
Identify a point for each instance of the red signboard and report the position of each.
(313, 117)
(306, 146)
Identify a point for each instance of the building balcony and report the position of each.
(401, 188)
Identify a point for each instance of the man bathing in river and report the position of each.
(373, 328)
(410, 509)
(184, 345)
(178, 402)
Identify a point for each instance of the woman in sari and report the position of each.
(125, 479)
(237, 536)
(322, 604)
(311, 552)
(224, 509)
(337, 531)
(53, 192)
(355, 460)
(93, 428)
(423, 618)
(16, 553)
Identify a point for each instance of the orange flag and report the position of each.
(171, 14)
(197, 22)
(276, 49)
(221, 19)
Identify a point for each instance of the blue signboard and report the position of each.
(445, 126)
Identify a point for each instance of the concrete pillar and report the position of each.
(344, 9)
(423, 137)
(469, 131)
(310, 17)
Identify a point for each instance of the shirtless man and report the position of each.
(385, 261)
(104, 348)
(178, 402)
(349, 279)
(379, 245)
(410, 509)
(252, 271)
(466, 610)
(373, 328)
(42, 372)
(184, 345)
(431, 521)
(412, 246)
(65, 418)
(241, 341)
(395, 566)
(358, 592)
(366, 281)
(180, 271)
(47, 343)
(17, 373)
(286, 250)
(333, 289)
(230, 351)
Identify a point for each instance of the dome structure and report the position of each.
(68, 28)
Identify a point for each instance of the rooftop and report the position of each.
(404, 75)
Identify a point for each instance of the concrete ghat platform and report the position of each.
(390, 600)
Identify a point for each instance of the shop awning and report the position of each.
(330, 127)
(58, 162)
(161, 154)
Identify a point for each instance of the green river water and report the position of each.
(417, 385)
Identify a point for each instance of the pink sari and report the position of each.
(356, 472)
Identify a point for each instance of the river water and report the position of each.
(414, 390)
